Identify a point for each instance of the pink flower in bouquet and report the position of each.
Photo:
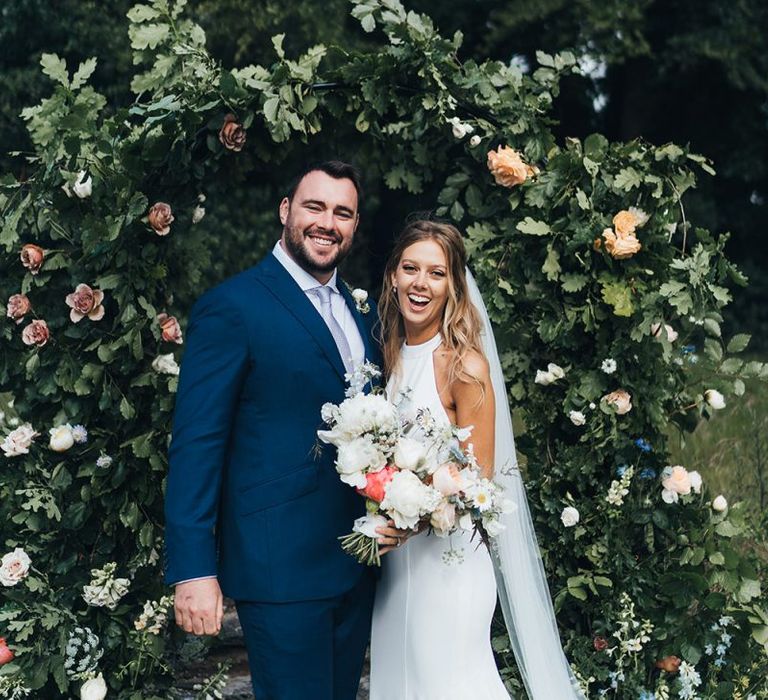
(36, 333)
(18, 307)
(171, 330)
(85, 301)
(376, 483)
(447, 479)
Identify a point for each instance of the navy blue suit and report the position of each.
(251, 498)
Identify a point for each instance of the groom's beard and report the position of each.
(296, 242)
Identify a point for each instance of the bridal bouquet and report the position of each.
(411, 469)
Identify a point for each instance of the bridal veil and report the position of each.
(520, 577)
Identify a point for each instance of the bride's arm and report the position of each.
(475, 406)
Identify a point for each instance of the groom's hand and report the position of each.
(391, 537)
(199, 606)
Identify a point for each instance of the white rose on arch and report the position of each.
(570, 516)
(550, 375)
(577, 417)
(719, 504)
(83, 186)
(62, 438)
(14, 567)
(714, 398)
(94, 689)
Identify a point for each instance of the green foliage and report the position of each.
(556, 296)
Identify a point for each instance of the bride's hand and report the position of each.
(392, 537)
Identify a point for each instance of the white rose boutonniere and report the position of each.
(361, 300)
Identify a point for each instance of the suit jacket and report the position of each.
(250, 497)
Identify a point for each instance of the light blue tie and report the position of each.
(324, 294)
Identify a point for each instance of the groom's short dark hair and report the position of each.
(337, 169)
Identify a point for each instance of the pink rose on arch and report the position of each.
(376, 483)
(85, 301)
(170, 328)
(18, 307)
(36, 333)
(32, 257)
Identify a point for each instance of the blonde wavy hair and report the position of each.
(460, 328)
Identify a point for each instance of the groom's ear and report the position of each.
(285, 206)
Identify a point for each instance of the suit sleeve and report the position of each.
(213, 367)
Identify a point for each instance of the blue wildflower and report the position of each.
(644, 445)
(688, 349)
(646, 695)
(620, 470)
(647, 473)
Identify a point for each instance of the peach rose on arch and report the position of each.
(18, 307)
(621, 400)
(232, 134)
(170, 329)
(508, 168)
(621, 246)
(85, 301)
(32, 257)
(160, 218)
(36, 333)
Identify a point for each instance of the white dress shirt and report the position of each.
(341, 312)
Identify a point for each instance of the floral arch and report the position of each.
(602, 293)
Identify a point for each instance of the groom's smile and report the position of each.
(319, 222)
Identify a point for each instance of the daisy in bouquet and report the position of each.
(411, 470)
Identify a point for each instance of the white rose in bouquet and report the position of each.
(94, 689)
(358, 415)
(410, 454)
(18, 441)
(407, 499)
(355, 458)
(62, 438)
(493, 526)
(14, 567)
(443, 519)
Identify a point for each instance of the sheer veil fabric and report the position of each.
(520, 578)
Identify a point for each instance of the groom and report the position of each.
(253, 509)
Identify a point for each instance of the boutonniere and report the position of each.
(361, 300)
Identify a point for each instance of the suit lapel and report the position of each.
(284, 288)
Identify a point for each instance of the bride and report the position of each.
(434, 603)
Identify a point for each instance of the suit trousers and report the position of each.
(308, 650)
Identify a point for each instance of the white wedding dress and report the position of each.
(434, 602)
